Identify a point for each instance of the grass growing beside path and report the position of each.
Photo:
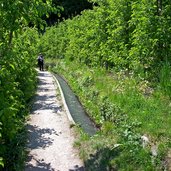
(126, 108)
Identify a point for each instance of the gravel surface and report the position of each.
(51, 139)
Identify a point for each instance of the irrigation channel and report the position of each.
(75, 108)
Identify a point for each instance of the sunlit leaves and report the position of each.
(115, 34)
(1, 162)
(17, 74)
(16, 14)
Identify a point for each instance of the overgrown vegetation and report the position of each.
(125, 109)
(116, 57)
(17, 75)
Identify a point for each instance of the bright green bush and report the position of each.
(17, 84)
(17, 73)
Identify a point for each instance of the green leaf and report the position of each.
(12, 66)
(1, 162)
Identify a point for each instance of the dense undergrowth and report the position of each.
(116, 58)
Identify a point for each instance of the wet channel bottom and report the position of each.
(77, 112)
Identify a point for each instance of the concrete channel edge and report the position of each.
(63, 100)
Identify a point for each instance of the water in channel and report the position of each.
(77, 112)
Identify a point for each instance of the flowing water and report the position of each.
(77, 112)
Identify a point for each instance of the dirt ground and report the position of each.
(51, 139)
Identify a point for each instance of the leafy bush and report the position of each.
(18, 83)
(17, 73)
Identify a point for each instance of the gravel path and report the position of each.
(50, 136)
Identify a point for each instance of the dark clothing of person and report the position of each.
(40, 62)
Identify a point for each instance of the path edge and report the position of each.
(63, 100)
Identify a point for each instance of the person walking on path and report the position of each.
(50, 142)
(40, 61)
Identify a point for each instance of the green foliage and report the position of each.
(131, 40)
(15, 15)
(116, 34)
(111, 112)
(125, 107)
(17, 74)
(17, 84)
(165, 82)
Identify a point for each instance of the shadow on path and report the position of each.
(40, 165)
(38, 140)
(42, 138)
(37, 137)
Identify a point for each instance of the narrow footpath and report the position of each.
(51, 139)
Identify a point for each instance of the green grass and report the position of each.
(126, 107)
